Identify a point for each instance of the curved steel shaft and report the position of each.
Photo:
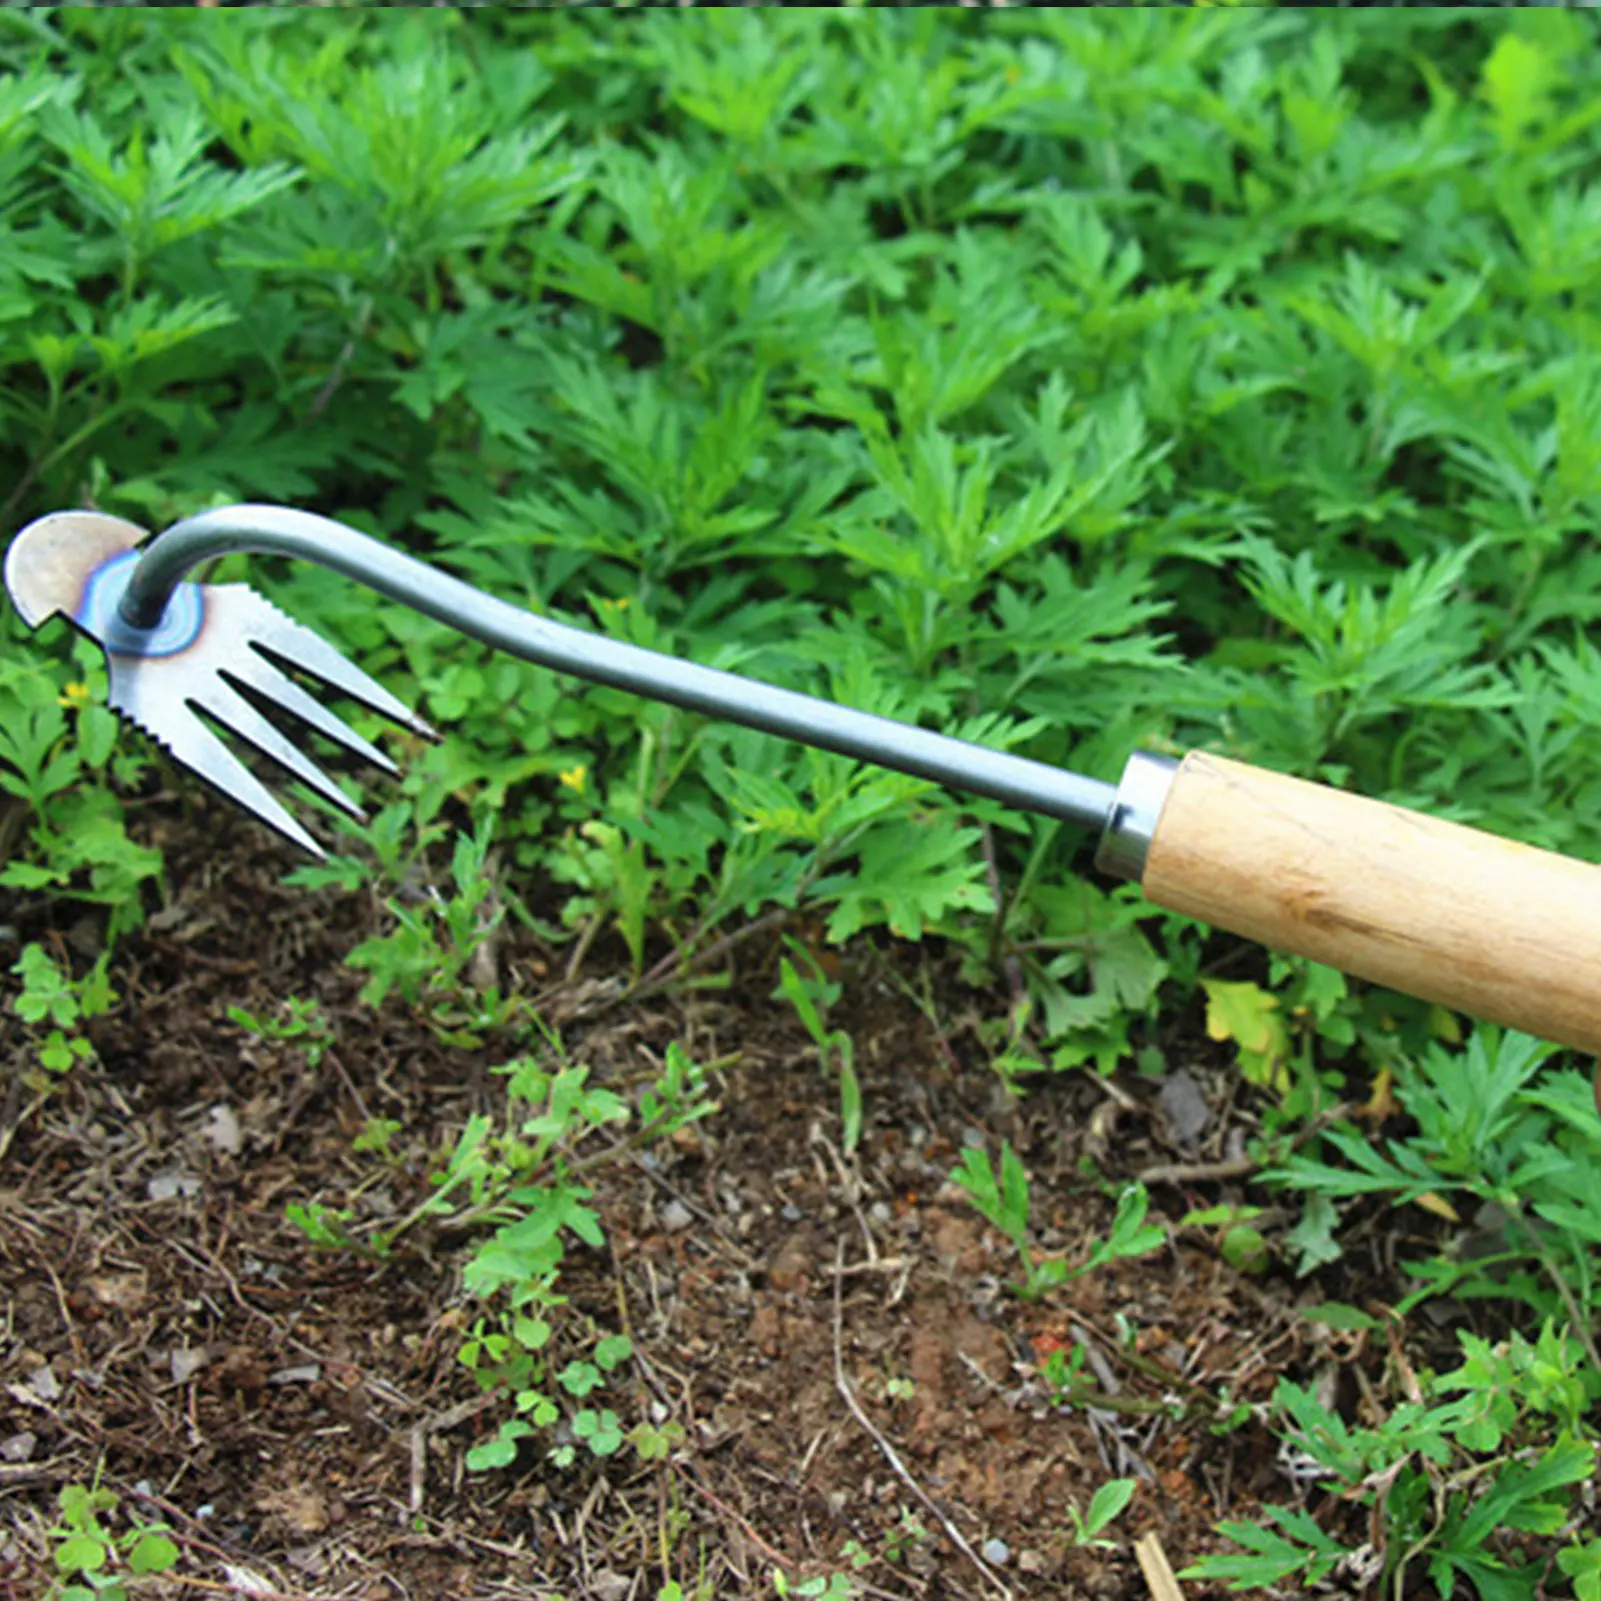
(1032, 786)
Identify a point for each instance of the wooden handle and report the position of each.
(1480, 924)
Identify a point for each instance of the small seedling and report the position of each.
(824, 1587)
(297, 1022)
(378, 1136)
(50, 996)
(94, 1563)
(1106, 1506)
(811, 994)
(430, 957)
(1239, 1243)
(1003, 1200)
(324, 1226)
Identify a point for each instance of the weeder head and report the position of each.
(219, 649)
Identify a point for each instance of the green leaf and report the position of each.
(1107, 1504)
(600, 1431)
(1304, 1551)
(82, 1553)
(798, 994)
(152, 1552)
(1581, 1562)
(580, 1378)
(850, 1092)
(1519, 1497)
(613, 1351)
(1313, 1237)
(1250, 1017)
(1518, 79)
(97, 735)
(501, 1451)
(1337, 1315)
(911, 876)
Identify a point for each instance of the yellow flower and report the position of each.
(73, 696)
(574, 778)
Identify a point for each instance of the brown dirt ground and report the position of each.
(299, 1414)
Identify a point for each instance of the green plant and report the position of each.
(510, 1183)
(300, 1022)
(1240, 1243)
(1092, 379)
(326, 1227)
(1497, 1132)
(1581, 1562)
(429, 956)
(1497, 1444)
(91, 1560)
(811, 996)
(907, 1532)
(57, 753)
(1002, 1198)
(50, 996)
(1106, 1506)
(378, 1135)
(824, 1586)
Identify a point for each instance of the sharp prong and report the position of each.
(238, 663)
(258, 672)
(172, 724)
(224, 702)
(298, 647)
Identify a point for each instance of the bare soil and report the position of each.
(836, 1338)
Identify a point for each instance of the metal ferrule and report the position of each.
(1131, 824)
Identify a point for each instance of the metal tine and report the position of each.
(255, 670)
(234, 669)
(276, 634)
(174, 725)
(240, 716)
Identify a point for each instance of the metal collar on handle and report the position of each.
(1136, 810)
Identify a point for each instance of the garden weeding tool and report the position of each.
(1475, 922)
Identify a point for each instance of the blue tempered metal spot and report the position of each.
(98, 613)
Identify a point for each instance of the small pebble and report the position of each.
(790, 1212)
(676, 1217)
(301, 1373)
(184, 1363)
(997, 1553)
(169, 1186)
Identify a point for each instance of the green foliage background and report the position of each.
(1073, 381)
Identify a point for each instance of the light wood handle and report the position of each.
(1480, 924)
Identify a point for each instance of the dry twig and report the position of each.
(1158, 1571)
